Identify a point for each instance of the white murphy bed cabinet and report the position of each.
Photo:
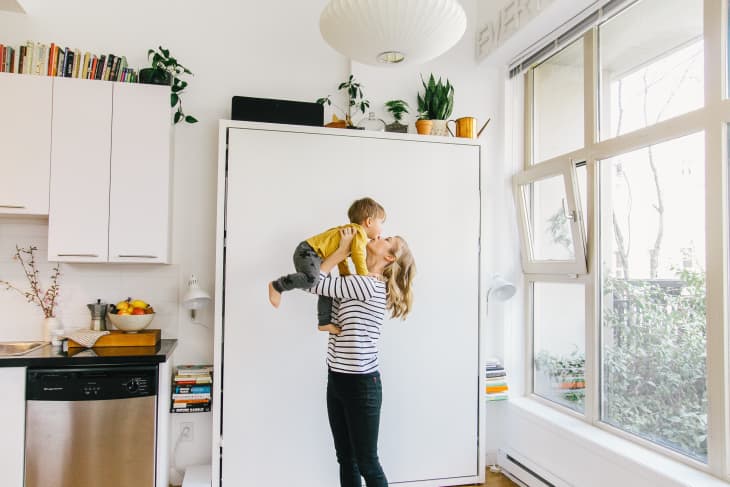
(279, 184)
(25, 141)
(110, 172)
(12, 428)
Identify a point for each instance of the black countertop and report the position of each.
(48, 356)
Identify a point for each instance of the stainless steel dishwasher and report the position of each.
(91, 426)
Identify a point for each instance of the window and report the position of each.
(653, 289)
(559, 343)
(558, 103)
(650, 217)
(650, 71)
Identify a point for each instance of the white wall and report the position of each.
(266, 49)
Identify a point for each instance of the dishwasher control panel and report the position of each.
(91, 383)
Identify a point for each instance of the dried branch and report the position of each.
(46, 300)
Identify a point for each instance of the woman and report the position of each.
(354, 392)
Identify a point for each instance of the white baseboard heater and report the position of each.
(527, 472)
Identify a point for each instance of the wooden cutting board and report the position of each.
(118, 338)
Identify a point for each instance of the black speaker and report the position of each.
(277, 111)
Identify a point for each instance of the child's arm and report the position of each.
(344, 268)
(358, 253)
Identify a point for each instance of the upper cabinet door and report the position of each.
(139, 209)
(80, 158)
(25, 139)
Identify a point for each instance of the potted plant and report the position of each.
(165, 70)
(355, 99)
(423, 123)
(397, 108)
(436, 103)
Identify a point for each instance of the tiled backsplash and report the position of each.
(80, 284)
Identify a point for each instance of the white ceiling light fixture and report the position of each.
(392, 31)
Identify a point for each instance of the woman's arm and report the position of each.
(346, 236)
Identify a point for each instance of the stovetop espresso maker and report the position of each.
(98, 315)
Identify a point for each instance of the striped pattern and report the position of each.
(358, 308)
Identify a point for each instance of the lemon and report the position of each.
(138, 303)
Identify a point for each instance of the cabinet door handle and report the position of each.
(78, 255)
(129, 256)
(13, 207)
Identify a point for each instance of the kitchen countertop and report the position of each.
(48, 356)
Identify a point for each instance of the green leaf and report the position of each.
(191, 119)
(164, 52)
(178, 116)
(174, 99)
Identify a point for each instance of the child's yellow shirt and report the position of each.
(327, 242)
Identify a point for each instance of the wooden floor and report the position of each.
(493, 480)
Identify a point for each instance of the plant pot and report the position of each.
(439, 128)
(152, 76)
(424, 127)
(397, 127)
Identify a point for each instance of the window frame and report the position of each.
(713, 119)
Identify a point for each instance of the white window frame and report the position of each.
(531, 265)
(712, 119)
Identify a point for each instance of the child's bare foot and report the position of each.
(274, 296)
(334, 329)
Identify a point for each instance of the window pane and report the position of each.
(558, 103)
(650, 70)
(653, 294)
(559, 343)
(549, 226)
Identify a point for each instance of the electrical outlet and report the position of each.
(186, 431)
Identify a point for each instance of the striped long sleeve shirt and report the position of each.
(358, 308)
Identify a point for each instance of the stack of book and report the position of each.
(496, 388)
(53, 60)
(191, 389)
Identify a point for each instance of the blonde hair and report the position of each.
(399, 276)
(364, 208)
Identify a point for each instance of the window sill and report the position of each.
(618, 450)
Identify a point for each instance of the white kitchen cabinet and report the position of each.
(110, 172)
(12, 426)
(25, 141)
(279, 184)
(80, 155)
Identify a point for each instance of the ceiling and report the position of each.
(11, 6)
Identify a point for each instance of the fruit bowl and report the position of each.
(130, 323)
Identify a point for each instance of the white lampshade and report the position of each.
(195, 298)
(500, 289)
(392, 31)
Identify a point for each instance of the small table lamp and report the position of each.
(195, 298)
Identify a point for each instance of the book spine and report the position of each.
(68, 70)
(186, 397)
(192, 389)
(29, 61)
(191, 410)
(51, 57)
(77, 63)
(21, 59)
(100, 67)
(85, 65)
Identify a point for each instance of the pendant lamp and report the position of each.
(392, 31)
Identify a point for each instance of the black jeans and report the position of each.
(353, 405)
(306, 262)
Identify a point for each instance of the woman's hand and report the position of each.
(346, 236)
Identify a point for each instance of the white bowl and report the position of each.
(130, 323)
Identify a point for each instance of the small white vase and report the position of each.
(439, 128)
(50, 324)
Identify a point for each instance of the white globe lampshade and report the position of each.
(392, 31)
